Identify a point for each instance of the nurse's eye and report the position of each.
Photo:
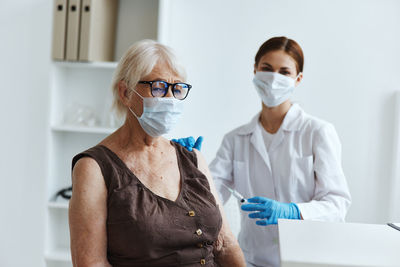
(266, 69)
(286, 73)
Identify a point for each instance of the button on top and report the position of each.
(202, 261)
(191, 213)
(199, 232)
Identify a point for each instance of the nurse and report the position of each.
(285, 161)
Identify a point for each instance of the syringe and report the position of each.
(235, 193)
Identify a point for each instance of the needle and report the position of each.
(235, 193)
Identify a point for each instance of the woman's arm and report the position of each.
(331, 198)
(227, 251)
(87, 215)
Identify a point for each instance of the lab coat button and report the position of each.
(202, 261)
(191, 213)
(199, 232)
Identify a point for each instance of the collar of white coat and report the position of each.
(292, 121)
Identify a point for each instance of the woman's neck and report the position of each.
(271, 118)
(130, 137)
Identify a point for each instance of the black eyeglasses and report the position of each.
(160, 89)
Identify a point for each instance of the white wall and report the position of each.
(24, 65)
(351, 73)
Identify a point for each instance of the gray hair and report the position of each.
(138, 62)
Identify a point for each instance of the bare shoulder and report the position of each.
(87, 174)
(89, 192)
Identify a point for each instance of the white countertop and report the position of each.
(313, 243)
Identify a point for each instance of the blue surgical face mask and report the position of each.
(159, 115)
(273, 88)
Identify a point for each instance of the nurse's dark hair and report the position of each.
(291, 47)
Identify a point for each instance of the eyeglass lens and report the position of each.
(160, 88)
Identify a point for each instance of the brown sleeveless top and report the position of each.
(144, 229)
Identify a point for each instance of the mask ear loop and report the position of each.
(133, 113)
(130, 107)
(142, 96)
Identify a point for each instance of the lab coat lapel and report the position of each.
(258, 143)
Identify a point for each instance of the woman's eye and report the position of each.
(266, 69)
(158, 92)
(285, 73)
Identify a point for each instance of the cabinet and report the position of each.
(86, 86)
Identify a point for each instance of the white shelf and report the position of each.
(61, 255)
(58, 205)
(82, 129)
(88, 65)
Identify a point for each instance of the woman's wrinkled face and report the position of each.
(160, 72)
(278, 61)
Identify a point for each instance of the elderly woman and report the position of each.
(139, 199)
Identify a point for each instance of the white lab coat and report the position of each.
(303, 166)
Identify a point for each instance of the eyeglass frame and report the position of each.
(172, 85)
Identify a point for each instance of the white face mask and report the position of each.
(273, 88)
(159, 115)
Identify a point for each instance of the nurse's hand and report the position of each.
(189, 143)
(269, 210)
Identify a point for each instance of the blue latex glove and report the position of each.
(271, 210)
(189, 142)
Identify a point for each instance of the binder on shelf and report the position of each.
(73, 25)
(97, 36)
(59, 29)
